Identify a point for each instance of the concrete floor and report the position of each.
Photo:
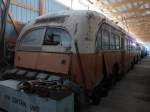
(131, 94)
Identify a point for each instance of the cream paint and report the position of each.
(82, 27)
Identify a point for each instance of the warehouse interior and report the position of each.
(75, 68)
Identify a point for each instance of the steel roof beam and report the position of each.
(14, 2)
(118, 4)
(138, 10)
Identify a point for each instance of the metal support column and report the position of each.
(4, 12)
(41, 7)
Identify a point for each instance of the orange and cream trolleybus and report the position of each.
(83, 47)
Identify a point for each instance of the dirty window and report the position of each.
(57, 37)
(117, 42)
(105, 39)
(126, 44)
(112, 41)
(99, 40)
(133, 45)
(33, 37)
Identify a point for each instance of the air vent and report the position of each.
(55, 19)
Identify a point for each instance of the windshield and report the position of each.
(39, 37)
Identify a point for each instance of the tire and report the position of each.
(115, 75)
(77, 103)
(132, 65)
(3, 110)
(96, 97)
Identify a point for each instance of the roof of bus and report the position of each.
(71, 13)
(74, 14)
(81, 13)
(59, 18)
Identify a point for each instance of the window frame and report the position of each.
(96, 43)
(122, 41)
(119, 44)
(62, 28)
(56, 49)
(40, 48)
(109, 33)
(113, 37)
(117, 35)
(30, 30)
(29, 47)
(100, 29)
(128, 44)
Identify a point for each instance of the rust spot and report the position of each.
(18, 58)
(63, 61)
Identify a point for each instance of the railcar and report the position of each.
(132, 53)
(83, 47)
(144, 51)
(138, 51)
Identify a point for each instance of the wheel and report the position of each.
(76, 103)
(115, 75)
(95, 98)
(132, 65)
(3, 110)
(104, 92)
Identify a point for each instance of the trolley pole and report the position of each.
(4, 13)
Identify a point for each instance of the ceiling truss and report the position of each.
(135, 13)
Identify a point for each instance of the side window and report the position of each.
(105, 39)
(130, 44)
(126, 44)
(113, 41)
(57, 37)
(117, 42)
(122, 39)
(99, 40)
(122, 42)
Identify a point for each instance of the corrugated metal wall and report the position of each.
(24, 15)
(11, 33)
